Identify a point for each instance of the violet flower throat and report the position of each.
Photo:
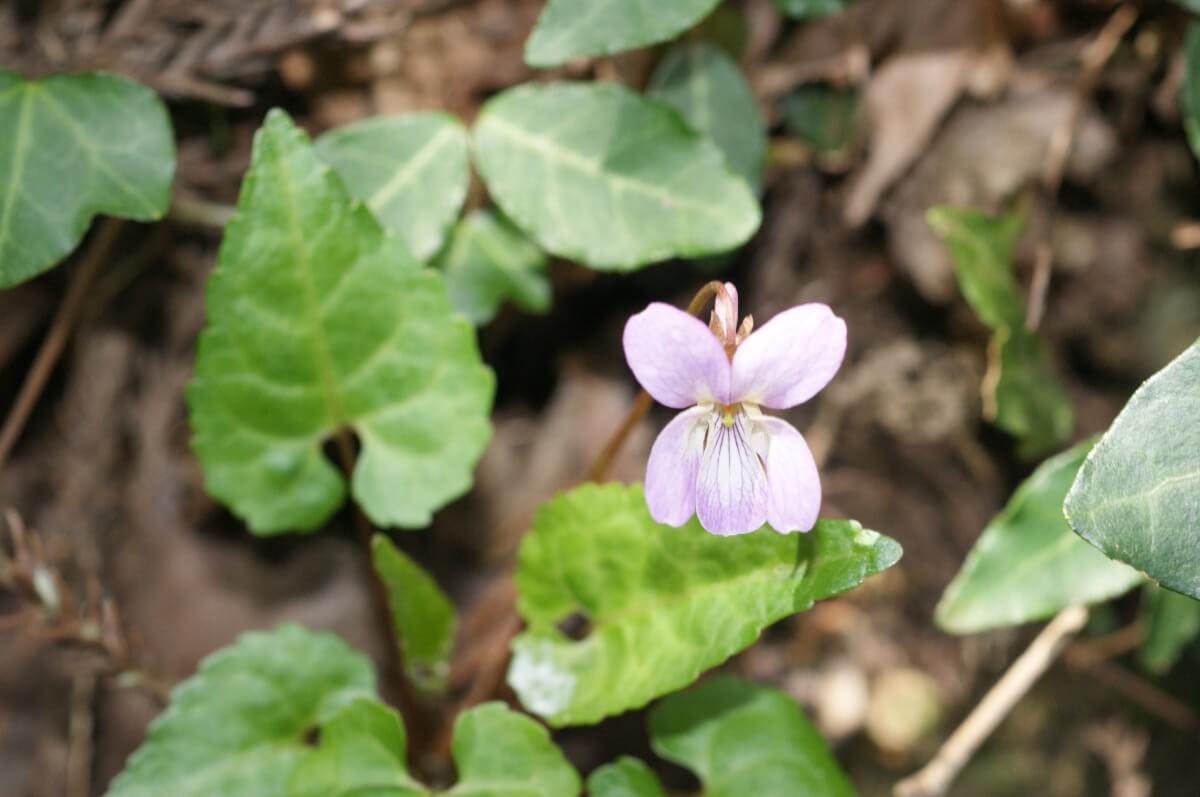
(721, 458)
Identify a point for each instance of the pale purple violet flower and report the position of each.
(721, 458)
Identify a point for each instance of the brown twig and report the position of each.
(56, 338)
(1150, 697)
(933, 779)
(1095, 56)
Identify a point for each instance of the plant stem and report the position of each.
(56, 338)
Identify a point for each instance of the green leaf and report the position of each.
(1026, 399)
(422, 616)
(625, 777)
(318, 321)
(497, 752)
(981, 248)
(1190, 5)
(664, 604)
(1171, 621)
(238, 727)
(822, 116)
(745, 740)
(489, 261)
(362, 752)
(1020, 393)
(1137, 497)
(599, 174)
(1190, 90)
(573, 28)
(1028, 564)
(72, 146)
(801, 9)
(705, 85)
(411, 171)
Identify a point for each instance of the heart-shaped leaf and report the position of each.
(422, 616)
(1028, 564)
(572, 28)
(489, 261)
(662, 604)
(411, 170)
(497, 752)
(1137, 496)
(318, 321)
(240, 725)
(597, 173)
(72, 146)
(705, 85)
(745, 740)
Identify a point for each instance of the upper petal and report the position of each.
(676, 358)
(793, 486)
(673, 465)
(791, 357)
(731, 487)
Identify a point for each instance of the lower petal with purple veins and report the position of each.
(673, 466)
(731, 488)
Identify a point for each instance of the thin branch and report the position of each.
(933, 779)
(60, 332)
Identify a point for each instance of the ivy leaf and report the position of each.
(411, 171)
(1020, 392)
(1172, 622)
(1028, 564)
(1137, 497)
(801, 9)
(498, 753)
(488, 261)
(238, 727)
(422, 615)
(318, 321)
(705, 85)
(72, 146)
(625, 777)
(599, 174)
(745, 740)
(663, 604)
(570, 29)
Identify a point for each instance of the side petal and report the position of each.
(793, 486)
(673, 465)
(676, 358)
(731, 488)
(790, 358)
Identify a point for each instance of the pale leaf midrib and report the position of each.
(405, 174)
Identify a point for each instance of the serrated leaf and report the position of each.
(497, 752)
(422, 616)
(238, 727)
(663, 604)
(570, 29)
(801, 9)
(599, 174)
(1028, 564)
(705, 85)
(489, 261)
(411, 170)
(1172, 622)
(745, 740)
(72, 146)
(625, 777)
(1137, 496)
(318, 321)
(1020, 392)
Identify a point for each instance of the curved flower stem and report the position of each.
(641, 405)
